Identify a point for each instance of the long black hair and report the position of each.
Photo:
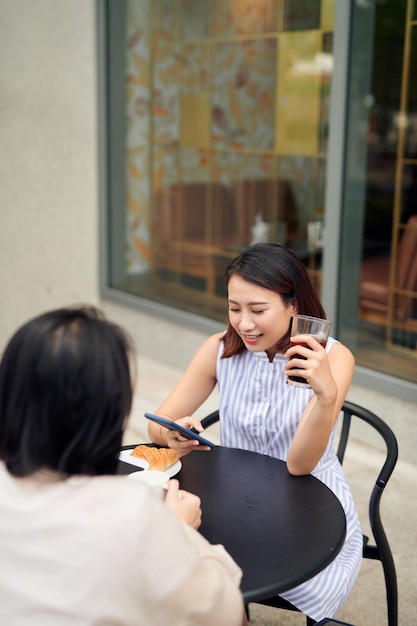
(65, 394)
(277, 268)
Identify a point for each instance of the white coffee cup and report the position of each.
(158, 481)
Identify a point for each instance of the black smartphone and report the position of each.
(186, 432)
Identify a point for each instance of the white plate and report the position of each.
(125, 456)
(172, 470)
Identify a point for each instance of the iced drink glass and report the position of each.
(307, 325)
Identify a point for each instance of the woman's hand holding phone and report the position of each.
(180, 444)
(178, 435)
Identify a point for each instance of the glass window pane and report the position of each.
(217, 118)
(243, 94)
(379, 247)
(197, 24)
(301, 15)
(244, 17)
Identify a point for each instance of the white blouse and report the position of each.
(105, 551)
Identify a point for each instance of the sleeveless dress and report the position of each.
(260, 412)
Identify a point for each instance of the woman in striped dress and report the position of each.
(267, 284)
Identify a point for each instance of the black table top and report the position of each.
(280, 529)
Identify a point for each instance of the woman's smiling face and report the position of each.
(259, 316)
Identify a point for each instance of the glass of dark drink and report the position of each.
(307, 325)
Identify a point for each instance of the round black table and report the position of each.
(280, 529)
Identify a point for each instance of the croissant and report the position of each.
(158, 458)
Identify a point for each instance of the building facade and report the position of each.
(290, 121)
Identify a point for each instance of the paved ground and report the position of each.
(366, 606)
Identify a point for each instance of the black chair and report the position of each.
(380, 549)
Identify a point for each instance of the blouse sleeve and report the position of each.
(210, 594)
(184, 579)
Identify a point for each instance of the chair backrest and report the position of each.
(272, 198)
(349, 409)
(380, 549)
(188, 211)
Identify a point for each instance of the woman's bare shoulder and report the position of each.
(342, 361)
(339, 349)
(210, 347)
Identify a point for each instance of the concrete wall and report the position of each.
(48, 157)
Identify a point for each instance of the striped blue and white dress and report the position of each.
(260, 412)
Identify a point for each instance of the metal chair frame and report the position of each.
(380, 549)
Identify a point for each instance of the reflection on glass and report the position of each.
(411, 130)
(227, 124)
(196, 26)
(244, 17)
(302, 15)
(384, 338)
(243, 94)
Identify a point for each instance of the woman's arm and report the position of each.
(330, 375)
(212, 589)
(174, 574)
(194, 387)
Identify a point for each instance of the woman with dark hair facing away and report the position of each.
(77, 545)
(267, 284)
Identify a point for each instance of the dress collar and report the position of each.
(264, 357)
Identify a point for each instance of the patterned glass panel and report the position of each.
(244, 17)
(244, 78)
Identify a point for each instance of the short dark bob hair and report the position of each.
(277, 268)
(65, 394)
